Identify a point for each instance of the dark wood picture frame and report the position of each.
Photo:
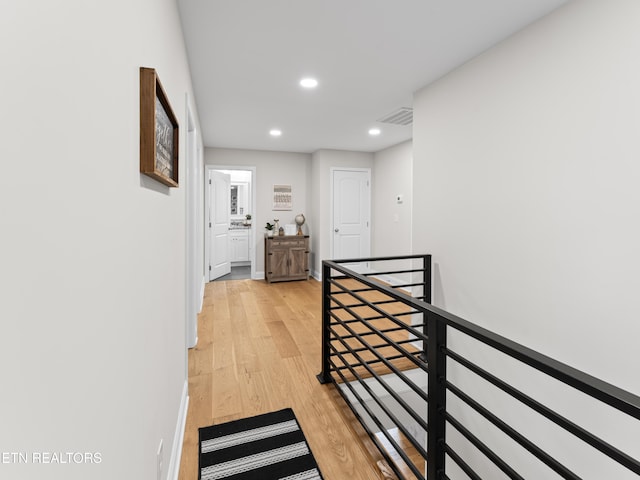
(159, 131)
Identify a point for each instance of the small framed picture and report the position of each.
(159, 131)
(282, 198)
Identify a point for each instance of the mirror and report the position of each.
(239, 199)
(234, 200)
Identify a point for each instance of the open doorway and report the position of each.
(229, 222)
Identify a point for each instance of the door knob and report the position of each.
(337, 230)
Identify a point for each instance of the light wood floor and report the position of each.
(259, 351)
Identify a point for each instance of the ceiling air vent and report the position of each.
(402, 116)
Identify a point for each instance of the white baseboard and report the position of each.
(258, 276)
(178, 437)
(240, 264)
(204, 283)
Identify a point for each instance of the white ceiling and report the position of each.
(247, 57)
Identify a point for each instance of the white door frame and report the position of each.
(331, 194)
(252, 236)
(194, 284)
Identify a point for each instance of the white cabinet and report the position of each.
(239, 245)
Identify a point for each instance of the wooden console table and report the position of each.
(286, 257)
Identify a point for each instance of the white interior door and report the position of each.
(219, 214)
(351, 231)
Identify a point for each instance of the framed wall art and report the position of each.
(158, 131)
(282, 198)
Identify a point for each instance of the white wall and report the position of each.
(271, 168)
(309, 175)
(392, 176)
(322, 162)
(92, 347)
(526, 191)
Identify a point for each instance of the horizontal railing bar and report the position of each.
(592, 386)
(372, 328)
(605, 392)
(392, 392)
(359, 290)
(403, 297)
(511, 432)
(364, 334)
(377, 259)
(389, 272)
(379, 424)
(410, 329)
(388, 357)
(564, 423)
(403, 285)
(397, 347)
(348, 291)
(417, 352)
(384, 345)
(382, 317)
(369, 333)
(390, 302)
(490, 454)
(382, 282)
(364, 425)
(461, 463)
(375, 319)
(373, 362)
(368, 303)
(398, 372)
(391, 329)
(399, 314)
(358, 320)
(381, 346)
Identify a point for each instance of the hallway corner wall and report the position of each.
(525, 191)
(92, 350)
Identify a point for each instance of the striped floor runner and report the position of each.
(267, 447)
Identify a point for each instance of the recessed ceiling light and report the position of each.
(275, 132)
(309, 83)
(374, 131)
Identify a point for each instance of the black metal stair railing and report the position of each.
(443, 398)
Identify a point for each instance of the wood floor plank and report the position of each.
(200, 413)
(283, 340)
(259, 350)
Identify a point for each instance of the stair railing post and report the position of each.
(426, 278)
(437, 405)
(324, 376)
(426, 293)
